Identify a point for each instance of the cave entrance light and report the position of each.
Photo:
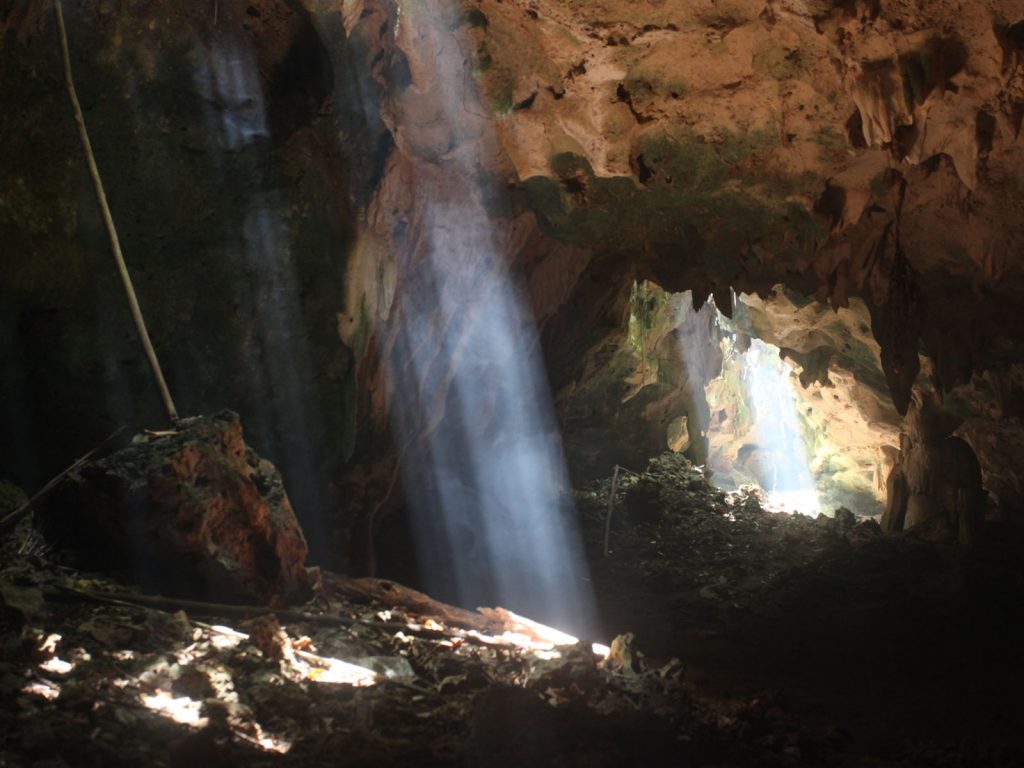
(754, 430)
(783, 466)
(482, 463)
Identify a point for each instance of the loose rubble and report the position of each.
(818, 641)
(725, 653)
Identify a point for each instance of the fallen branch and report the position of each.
(170, 604)
(10, 520)
(217, 610)
(489, 637)
(108, 220)
(394, 594)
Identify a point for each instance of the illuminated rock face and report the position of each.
(854, 149)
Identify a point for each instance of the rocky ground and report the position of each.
(853, 647)
(744, 638)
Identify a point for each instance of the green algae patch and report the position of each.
(509, 64)
(709, 201)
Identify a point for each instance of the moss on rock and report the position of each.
(708, 201)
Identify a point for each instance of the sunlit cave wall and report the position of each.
(787, 395)
(867, 151)
(233, 139)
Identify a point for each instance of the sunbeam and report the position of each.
(784, 469)
(482, 460)
(756, 434)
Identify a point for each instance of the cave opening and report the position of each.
(796, 423)
(786, 395)
(766, 418)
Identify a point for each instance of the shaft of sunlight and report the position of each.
(482, 459)
(229, 83)
(768, 383)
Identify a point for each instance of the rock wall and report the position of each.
(234, 144)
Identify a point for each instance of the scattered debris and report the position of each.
(95, 673)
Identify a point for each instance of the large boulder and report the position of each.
(192, 511)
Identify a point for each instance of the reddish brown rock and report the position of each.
(194, 512)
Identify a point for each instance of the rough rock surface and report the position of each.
(817, 610)
(843, 149)
(194, 511)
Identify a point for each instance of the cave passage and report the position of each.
(783, 397)
(774, 446)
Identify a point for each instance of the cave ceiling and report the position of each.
(855, 148)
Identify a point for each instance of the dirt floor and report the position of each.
(755, 639)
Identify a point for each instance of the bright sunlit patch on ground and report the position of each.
(538, 632)
(52, 663)
(342, 672)
(181, 709)
(545, 636)
(57, 666)
(804, 501)
(266, 741)
(528, 635)
(308, 665)
(224, 638)
(43, 688)
(539, 648)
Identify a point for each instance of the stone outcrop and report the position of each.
(191, 512)
(937, 484)
(856, 148)
(843, 149)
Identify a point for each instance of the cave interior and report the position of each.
(522, 382)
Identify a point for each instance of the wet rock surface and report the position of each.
(188, 511)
